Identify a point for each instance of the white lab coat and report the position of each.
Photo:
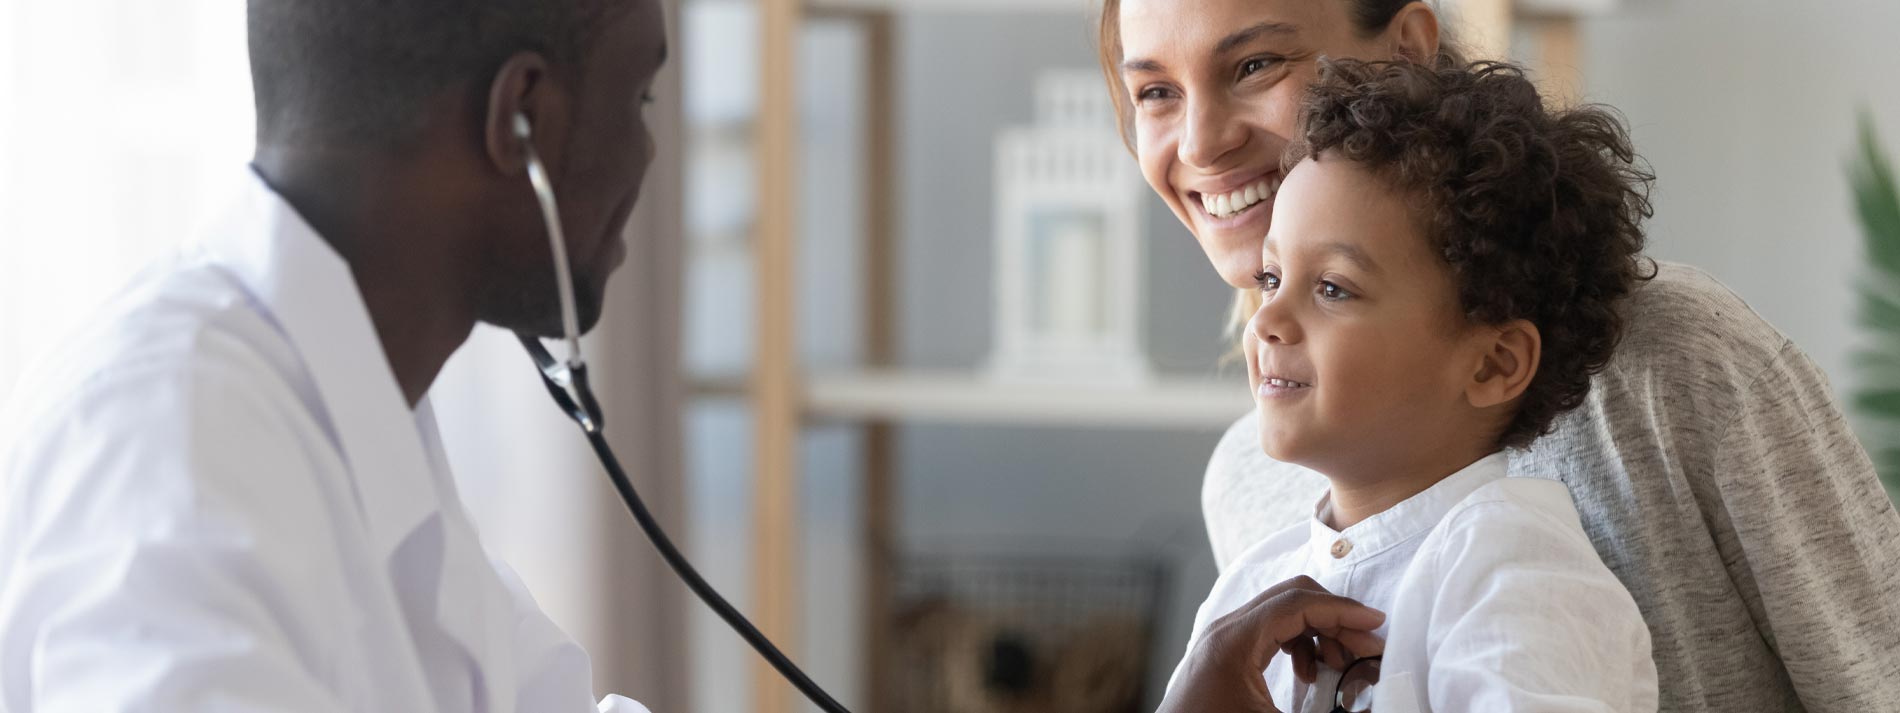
(217, 499)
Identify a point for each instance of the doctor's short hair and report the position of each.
(364, 72)
(1537, 212)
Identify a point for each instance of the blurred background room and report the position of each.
(904, 352)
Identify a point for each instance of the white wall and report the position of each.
(1746, 109)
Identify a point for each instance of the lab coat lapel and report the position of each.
(400, 476)
(309, 290)
(469, 606)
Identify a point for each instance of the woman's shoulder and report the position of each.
(1686, 315)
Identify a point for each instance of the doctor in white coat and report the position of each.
(226, 493)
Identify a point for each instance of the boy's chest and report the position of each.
(1337, 564)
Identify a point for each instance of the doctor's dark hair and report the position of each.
(364, 72)
(1538, 213)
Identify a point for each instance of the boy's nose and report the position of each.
(1273, 323)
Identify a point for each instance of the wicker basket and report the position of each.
(1008, 634)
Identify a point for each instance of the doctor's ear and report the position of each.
(1508, 361)
(524, 105)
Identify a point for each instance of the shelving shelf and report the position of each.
(951, 6)
(953, 397)
(961, 397)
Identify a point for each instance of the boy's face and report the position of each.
(1360, 356)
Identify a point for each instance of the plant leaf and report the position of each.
(1877, 202)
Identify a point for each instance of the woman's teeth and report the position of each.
(1287, 384)
(1227, 204)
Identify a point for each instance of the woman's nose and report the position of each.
(1212, 132)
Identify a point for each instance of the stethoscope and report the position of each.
(567, 382)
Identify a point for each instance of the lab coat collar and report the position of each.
(308, 289)
(1413, 517)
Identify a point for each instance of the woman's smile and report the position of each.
(1229, 207)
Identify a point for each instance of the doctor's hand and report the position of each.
(1222, 674)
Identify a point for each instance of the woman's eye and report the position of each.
(1333, 292)
(1267, 281)
(1152, 94)
(1256, 64)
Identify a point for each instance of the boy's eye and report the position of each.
(1333, 292)
(1267, 280)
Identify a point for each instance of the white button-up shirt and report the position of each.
(1495, 602)
(218, 499)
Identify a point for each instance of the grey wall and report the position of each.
(1746, 110)
(966, 76)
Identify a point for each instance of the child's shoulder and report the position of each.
(1517, 520)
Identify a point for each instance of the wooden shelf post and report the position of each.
(880, 351)
(775, 370)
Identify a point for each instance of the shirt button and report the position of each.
(1341, 549)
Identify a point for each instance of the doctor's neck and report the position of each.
(406, 224)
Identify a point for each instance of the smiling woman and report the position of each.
(1208, 99)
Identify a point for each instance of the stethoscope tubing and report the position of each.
(567, 383)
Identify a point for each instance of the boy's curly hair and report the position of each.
(1537, 212)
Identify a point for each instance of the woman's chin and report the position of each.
(1238, 267)
(1234, 248)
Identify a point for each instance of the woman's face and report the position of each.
(1216, 87)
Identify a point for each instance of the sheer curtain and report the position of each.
(121, 123)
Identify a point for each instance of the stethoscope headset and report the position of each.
(567, 383)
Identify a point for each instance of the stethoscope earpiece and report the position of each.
(523, 131)
(557, 241)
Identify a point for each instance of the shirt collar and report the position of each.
(1414, 516)
(310, 293)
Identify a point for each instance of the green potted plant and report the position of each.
(1877, 401)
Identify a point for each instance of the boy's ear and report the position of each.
(1507, 365)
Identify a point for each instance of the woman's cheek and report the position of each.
(1279, 108)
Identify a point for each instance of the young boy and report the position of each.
(1440, 282)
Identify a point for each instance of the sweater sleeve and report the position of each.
(1816, 542)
